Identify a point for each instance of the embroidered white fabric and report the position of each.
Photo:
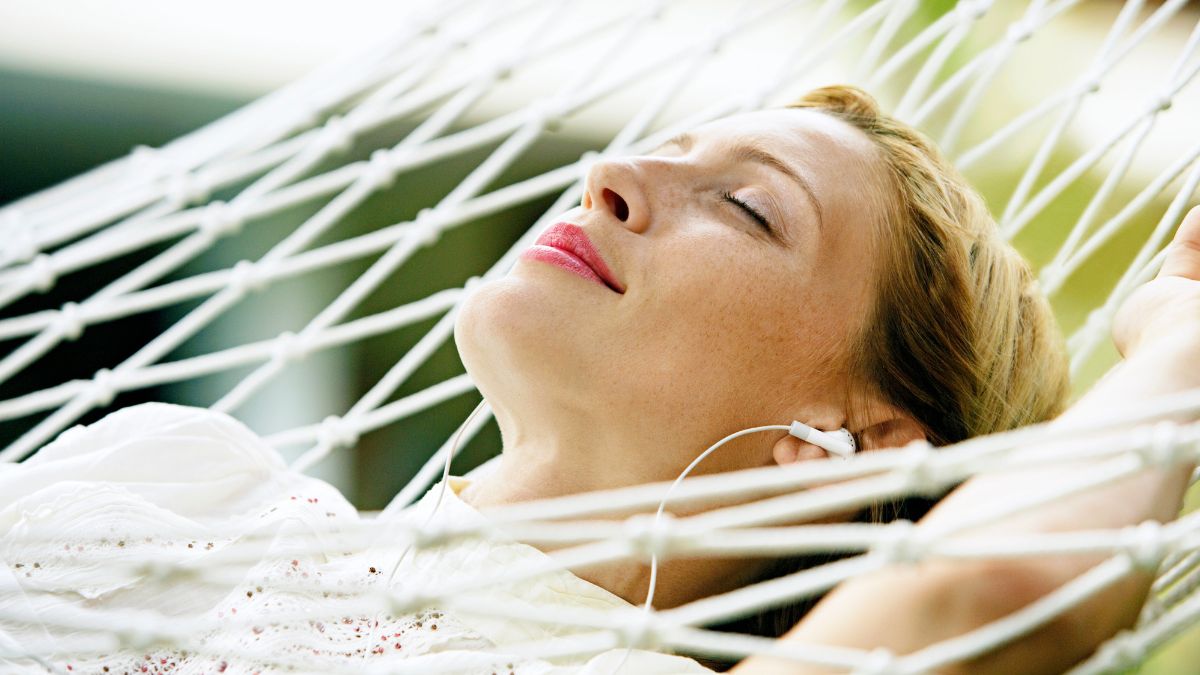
(184, 486)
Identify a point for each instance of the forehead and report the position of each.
(838, 160)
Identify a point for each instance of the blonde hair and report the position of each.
(960, 336)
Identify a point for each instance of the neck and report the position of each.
(572, 461)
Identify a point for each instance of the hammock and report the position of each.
(478, 116)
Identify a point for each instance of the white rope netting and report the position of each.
(514, 102)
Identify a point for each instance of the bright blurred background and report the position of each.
(84, 82)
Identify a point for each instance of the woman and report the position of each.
(821, 264)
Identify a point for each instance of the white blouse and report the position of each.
(138, 525)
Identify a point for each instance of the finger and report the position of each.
(1183, 254)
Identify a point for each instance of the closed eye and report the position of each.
(748, 210)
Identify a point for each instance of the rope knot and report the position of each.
(220, 220)
(104, 387)
(380, 173)
(336, 136)
(1019, 31)
(649, 536)
(185, 188)
(923, 476)
(1123, 651)
(1145, 545)
(640, 632)
(899, 543)
(337, 433)
(291, 347)
(42, 273)
(1164, 447)
(503, 69)
(144, 159)
(246, 277)
(879, 662)
(69, 323)
(971, 10)
(426, 228)
(21, 246)
(547, 113)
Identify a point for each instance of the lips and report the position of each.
(567, 245)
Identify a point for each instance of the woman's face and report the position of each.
(739, 258)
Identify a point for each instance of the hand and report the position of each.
(1165, 313)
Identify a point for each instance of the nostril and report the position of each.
(616, 204)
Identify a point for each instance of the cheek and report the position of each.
(727, 316)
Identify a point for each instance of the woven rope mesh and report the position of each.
(298, 263)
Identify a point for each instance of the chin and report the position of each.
(512, 331)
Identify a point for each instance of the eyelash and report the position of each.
(749, 210)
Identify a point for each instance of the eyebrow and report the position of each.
(746, 151)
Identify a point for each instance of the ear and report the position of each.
(789, 450)
(893, 432)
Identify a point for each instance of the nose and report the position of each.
(616, 186)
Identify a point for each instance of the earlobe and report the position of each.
(789, 450)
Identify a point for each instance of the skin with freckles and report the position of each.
(724, 324)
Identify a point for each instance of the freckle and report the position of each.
(121, 543)
(208, 546)
(258, 588)
(37, 565)
(19, 565)
(249, 594)
(191, 546)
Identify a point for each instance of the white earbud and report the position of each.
(840, 442)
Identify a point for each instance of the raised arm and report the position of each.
(905, 608)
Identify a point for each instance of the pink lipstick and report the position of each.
(567, 246)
